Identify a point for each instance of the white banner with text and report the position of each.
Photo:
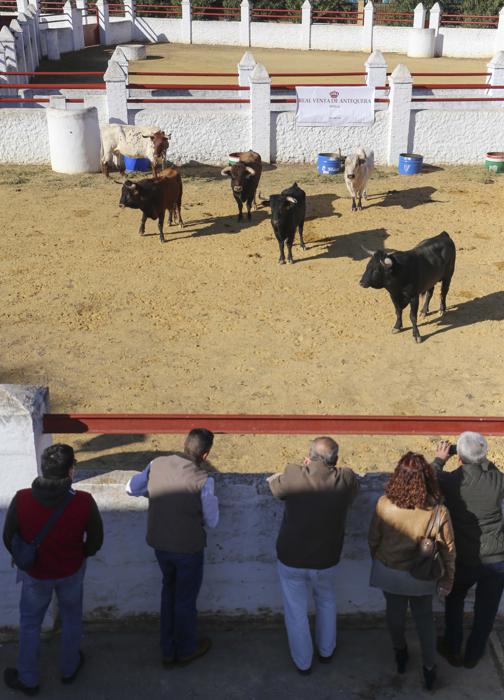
(335, 106)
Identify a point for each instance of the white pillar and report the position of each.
(186, 22)
(33, 14)
(53, 52)
(57, 101)
(130, 14)
(43, 40)
(4, 79)
(21, 445)
(17, 31)
(401, 85)
(103, 21)
(8, 45)
(306, 23)
(245, 8)
(22, 5)
(419, 16)
(367, 32)
(376, 69)
(499, 39)
(496, 77)
(245, 68)
(260, 110)
(117, 104)
(435, 17)
(74, 17)
(26, 34)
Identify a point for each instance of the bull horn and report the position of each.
(369, 252)
(250, 170)
(387, 262)
(292, 200)
(226, 171)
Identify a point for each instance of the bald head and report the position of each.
(326, 449)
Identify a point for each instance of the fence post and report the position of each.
(306, 22)
(245, 68)
(117, 104)
(27, 47)
(260, 108)
(57, 101)
(53, 52)
(186, 22)
(33, 15)
(130, 14)
(376, 69)
(499, 39)
(103, 21)
(367, 32)
(43, 40)
(435, 17)
(4, 79)
(22, 5)
(419, 16)
(75, 19)
(17, 31)
(245, 23)
(496, 77)
(401, 85)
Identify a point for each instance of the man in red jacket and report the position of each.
(59, 567)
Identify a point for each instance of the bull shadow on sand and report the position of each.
(407, 199)
(467, 313)
(123, 461)
(348, 245)
(320, 206)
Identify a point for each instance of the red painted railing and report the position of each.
(217, 12)
(391, 18)
(337, 17)
(184, 86)
(116, 9)
(263, 14)
(482, 21)
(173, 11)
(114, 424)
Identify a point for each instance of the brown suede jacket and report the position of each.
(394, 534)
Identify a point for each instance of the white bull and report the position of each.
(135, 142)
(358, 168)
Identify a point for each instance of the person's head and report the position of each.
(471, 448)
(326, 449)
(198, 444)
(413, 483)
(58, 461)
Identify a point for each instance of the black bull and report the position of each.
(408, 274)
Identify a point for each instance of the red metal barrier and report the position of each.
(49, 72)
(184, 100)
(184, 86)
(490, 21)
(114, 424)
(57, 86)
(159, 10)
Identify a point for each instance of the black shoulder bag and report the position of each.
(24, 554)
(428, 564)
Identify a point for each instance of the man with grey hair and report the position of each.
(317, 495)
(473, 494)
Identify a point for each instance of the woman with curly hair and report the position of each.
(402, 517)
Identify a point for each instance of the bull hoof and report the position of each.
(290, 261)
(303, 247)
(417, 338)
(281, 261)
(396, 330)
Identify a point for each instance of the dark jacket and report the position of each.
(316, 498)
(77, 534)
(473, 495)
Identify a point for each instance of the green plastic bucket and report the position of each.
(494, 161)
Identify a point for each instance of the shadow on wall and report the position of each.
(487, 308)
(124, 461)
(349, 245)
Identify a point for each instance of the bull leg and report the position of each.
(249, 207)
(240, 209)
(413, 318)
(105, 169)
(281, 259)
(154, 170)
(428, 297)
(170, 217)
(141, 230)
(289, 250)
(445, 286)
(301, 227)
(161, 222)
(181, 223)
(359, 203)
(354, 205)
(398, 324)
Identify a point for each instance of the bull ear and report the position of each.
(369, 252)
(387, 262)
(250, 171)
(130, 185)
(226, 171)
(292, 200)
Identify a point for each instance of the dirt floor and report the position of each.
(194, 58)
(209, 322)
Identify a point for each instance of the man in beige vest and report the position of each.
(181, 503)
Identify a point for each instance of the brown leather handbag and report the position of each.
(428, 564)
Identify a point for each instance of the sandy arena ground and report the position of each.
(214, 59)
(209, 322)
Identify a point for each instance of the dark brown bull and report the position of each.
(154, 198)
(245, 176)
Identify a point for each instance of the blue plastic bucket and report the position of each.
(329, 163)
(410, 164)
(141, 165)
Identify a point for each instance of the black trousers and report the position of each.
(421, 609)
(489, 580)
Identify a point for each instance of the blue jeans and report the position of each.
(296, 585)
(489, 580)
(182, 577)
(36, 595)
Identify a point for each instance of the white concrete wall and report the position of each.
(461, 42)
(302, 144)
(216, 33)
(457, 136)
(336, 37)
(15, 146)
(120, 30)
(280, 35)
(154, 29)
(392, 39)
